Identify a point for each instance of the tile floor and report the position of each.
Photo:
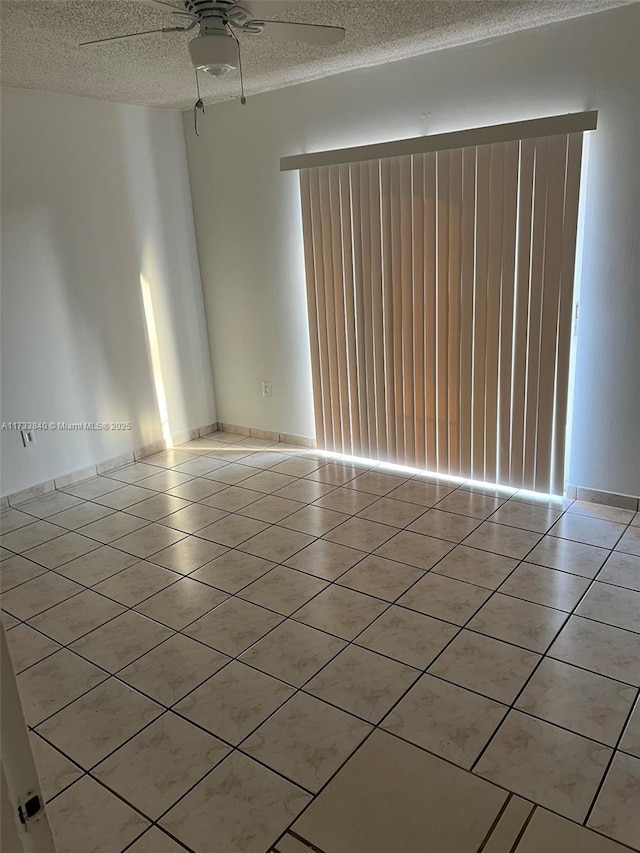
(203, 640)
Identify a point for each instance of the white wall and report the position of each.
(249, 230)
(94, 195)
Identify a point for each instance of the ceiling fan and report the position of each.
(216, 49)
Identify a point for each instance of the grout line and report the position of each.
(327, 783)
(164, 832)
(312, 847)
(495, 823)
(523, 829)
(612, 757)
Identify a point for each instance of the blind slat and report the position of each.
(339, 307)
(480, 311)
(442, 333)
(406, 279)
(430, 306)
(307, 232)
(466, 304)
(521, 319)
(550, 307)
(418, 276)
(394, 285)
(346, 207)
(494, 284)
(361, 259)
(569, 234)
(390, 452)
(535, 309)
(453, 332)
(508, 286)
(333, 374)
(378, 404)
(320, 288)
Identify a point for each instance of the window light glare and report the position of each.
(391, 468)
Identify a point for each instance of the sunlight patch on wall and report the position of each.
(156, 364)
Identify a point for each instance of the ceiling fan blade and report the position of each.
(135, 35)
(308, 33)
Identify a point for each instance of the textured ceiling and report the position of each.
(40, 43)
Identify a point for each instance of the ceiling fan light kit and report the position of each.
(215, 53)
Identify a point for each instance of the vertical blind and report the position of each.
(440, 291)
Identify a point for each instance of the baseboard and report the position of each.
(598, 496)
(267, 435)
(104, 467)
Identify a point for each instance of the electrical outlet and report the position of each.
(28, 437)
(266, 388)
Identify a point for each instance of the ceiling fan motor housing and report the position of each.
(216, 53)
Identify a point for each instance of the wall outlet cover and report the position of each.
(28, 437)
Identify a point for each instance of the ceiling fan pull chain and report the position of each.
(243, 100)
(199, 105)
